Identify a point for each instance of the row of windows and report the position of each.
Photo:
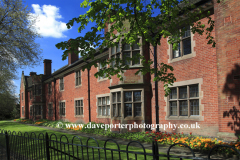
(132, 105)
(183, 101)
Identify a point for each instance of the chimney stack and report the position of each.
(47, 67)
(72, 57)
(33, 73)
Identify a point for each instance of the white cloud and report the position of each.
(47, 23)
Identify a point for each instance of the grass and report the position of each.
(34, 147)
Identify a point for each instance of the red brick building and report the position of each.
(205, 93)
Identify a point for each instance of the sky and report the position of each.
(51, 24)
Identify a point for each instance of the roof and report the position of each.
(79, 61)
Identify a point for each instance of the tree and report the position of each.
(173, 15)
(17, 46)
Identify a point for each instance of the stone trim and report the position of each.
(75, 99)
(199, 117)
(80, 85)
(103, 95)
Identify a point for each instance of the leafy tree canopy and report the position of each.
(131, 19)
(17, 36)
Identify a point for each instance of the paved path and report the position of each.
(162, 148)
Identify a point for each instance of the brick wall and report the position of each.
(227, 16)
(202, 66)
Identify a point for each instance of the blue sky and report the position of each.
(52, 18)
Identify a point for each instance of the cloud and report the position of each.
(47, 23)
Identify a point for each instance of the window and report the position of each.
(22, 96)
(115, 53)
(38, 110)
(78, 107)
(50, 88)
(30, 94)
(62, 108)
(22, 111)
(61, 84)
(31, 111)
(104, 106)
(50, 110)
(184, 101)
(184, 47)
(102, 67)
(78, 78)
(116, 104)
(132, 103)
(131, 52)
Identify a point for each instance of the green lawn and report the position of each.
(36, 148)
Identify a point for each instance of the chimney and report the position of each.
(33, 73)
(47, 67)
(72, 57)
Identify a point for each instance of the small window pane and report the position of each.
(108, 110)
(137, 96)
(182, 92)
(114, 97)
(177, 53)
(193, 90)
(108, 100)
(119, 110)
(173, 108)
(81, 109)
(135, 46)
(119, 96)
(183, 108)
(125, 56)
(113, 51)
(99, 110)
(128, 109)
(127, 96)
(104, 110)
(194, 107)
(137, 61)
(173, 93)
(99, 101)
(187, 46)
(81, 102)
(103, 101)
(114, 110)
(113, 62)
(137, 109)
(187, 33)
(118, 47)
(126, 47)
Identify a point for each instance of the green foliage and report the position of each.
(17, 41)
(131, 19)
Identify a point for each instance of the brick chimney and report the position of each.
(72, 57)
(33, 73)
(47, 67)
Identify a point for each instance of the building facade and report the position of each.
(205, 95)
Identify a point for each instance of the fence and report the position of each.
(31, 147)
